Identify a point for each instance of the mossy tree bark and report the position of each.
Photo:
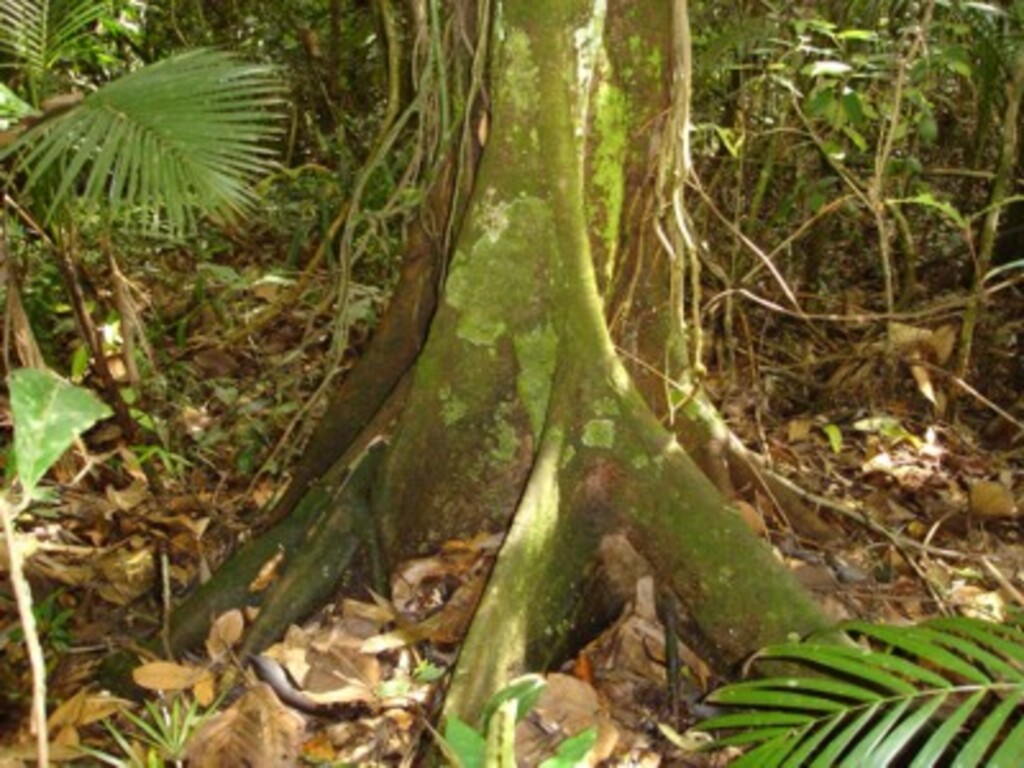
(520, 416)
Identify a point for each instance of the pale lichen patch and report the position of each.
(599, 433)
(536, 352)
(452, 408)
(491, 283)
(520, 78)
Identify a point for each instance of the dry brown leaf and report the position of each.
(924, 383)
(445, 627)
(264, 491)
(257, 730)
(216, 363)
(750, 515)
(195, 527)
(84, 708)
(266, 291)
(268, 573)
(381, 612)
(904, 337)
(205, 690)
(20, 755)
(128, 498)
(389, 641)
(225, 632)
(319, 750)
(126, 575)
(992, 500)
(978, 603)
(799, 430)
(566, 707)
(943, 341)
(168, 676)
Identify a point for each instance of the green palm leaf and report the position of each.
(36, 34)
(186, 134)
(950, 691)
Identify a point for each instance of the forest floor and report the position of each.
(921, 511)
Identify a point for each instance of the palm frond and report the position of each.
(186, 134)
(38, 33)
(949, 691)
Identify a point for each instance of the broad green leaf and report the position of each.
(830, 68)
(835, 437)
(989, 9)
(928, 200)
(573, 751)
(856, 137)
(834, 149)
(928, 128)
(79, 362)
(853, 107)
(466, 745)
(857, 34)
(824, 103)
(49, 413)
(11, 106)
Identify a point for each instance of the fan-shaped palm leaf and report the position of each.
(947, 691)
(37, 33)
(190, 132)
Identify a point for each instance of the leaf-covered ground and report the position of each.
(913, 480)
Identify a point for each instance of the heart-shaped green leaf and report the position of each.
(49, 413)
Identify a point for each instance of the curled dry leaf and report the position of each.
(268, 573)
(924, 383)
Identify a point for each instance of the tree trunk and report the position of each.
(519, 415)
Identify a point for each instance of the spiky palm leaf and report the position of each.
(187, 133)
(950, 691)
(36, 34)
